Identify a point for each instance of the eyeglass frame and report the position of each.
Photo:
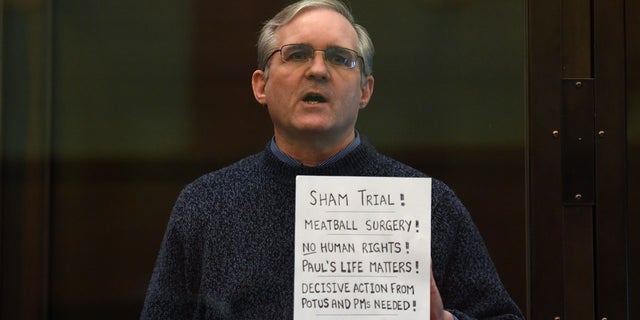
(324, 57)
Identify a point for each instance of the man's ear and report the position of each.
(258, 83)
(367, 91)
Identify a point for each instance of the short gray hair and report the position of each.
(267, 42)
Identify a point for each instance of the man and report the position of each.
(228, 248)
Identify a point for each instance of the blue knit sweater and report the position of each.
(228, 251)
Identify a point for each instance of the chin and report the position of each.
(314, 130)
(314, 125)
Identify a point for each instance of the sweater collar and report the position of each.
(293, 162)
(348, 164)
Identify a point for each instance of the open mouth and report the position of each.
(314, 98)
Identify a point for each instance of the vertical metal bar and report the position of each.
(578, 143)
(2, 183)
(576, 38)
(611, 213)
(578, 198)
(574, 260)
(578, 263)
(578, 160)
(544, 105)
(632, 78)
(2, 160)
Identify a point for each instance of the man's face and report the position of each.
(316, 98)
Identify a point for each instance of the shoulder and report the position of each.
(398, 167)
(209, 191)
(448, 212)
(382, 165)
(444, 197)
(446, 206)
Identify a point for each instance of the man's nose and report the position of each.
(318, 67)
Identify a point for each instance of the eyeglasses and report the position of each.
(302, 53)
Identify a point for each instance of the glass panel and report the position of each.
(121, 118)
(146, 98)
(449, 100)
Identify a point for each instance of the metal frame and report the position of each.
(578, 244)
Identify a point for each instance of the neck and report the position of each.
(312, 150)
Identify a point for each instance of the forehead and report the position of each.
(318, 27)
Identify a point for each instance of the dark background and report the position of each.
(150, 97)
(142, 97)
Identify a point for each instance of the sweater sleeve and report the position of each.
(168, 295)
(467, 279)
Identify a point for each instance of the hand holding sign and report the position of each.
(437, 308)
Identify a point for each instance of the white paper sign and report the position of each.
(362, 248)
